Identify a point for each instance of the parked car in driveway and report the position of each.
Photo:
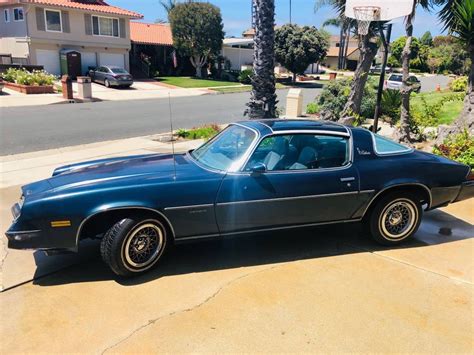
(111, 76)
(377, 69)
(394, 82)
(253, 176)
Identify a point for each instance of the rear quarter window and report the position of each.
(386, 146)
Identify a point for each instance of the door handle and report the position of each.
(347, 179)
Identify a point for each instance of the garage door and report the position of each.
(112, 59)
(88, 60)
(49, 60)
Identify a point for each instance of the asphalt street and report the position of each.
(28, 129)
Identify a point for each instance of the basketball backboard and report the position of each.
(389, 9)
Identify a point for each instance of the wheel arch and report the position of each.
(114, 214)
(423, 191)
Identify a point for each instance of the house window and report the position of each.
(18, 14)
(6, 15)
(105, 26)
(53, 20)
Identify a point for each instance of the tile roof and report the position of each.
(88, 5)
(151, 33)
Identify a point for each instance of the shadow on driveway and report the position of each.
(261, 249)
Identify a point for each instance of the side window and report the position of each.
(301, 152)
(18, 14)
(386, 146)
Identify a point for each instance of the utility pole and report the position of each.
(290, 12)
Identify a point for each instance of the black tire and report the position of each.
(395, 218)
(123, 248)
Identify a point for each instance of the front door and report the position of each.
(308, 179)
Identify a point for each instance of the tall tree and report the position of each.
(197, 32)
(426, 39)
(403, 133)
(458, 18)
(263, 99)
(298, 47)
(367, 49)
(168, 5)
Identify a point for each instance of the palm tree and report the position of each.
(368, 49)
(403, 134)
(344, 24)
(263, 99)
(168, 5)
(458, 18)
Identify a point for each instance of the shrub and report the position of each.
(391, 102)
(312, 108)
(24, 77)
(459, 148)
(459, 84)
(245, 76)
(182, 133)
(334, 97)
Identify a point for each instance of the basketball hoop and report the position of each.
(364, 16)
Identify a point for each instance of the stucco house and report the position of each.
(37, 31)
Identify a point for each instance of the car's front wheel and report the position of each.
(133, 245)
(395, 218)
(107, 83)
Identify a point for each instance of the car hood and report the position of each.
(114, 169)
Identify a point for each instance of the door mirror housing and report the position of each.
(258, 168)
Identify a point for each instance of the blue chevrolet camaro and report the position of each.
(253, 176)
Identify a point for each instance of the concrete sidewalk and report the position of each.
(17, 170)
(139, 91)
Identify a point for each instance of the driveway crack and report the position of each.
(189, 309)
(2, 262)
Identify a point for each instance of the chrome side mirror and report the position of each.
(258, 169)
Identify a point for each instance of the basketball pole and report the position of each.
(385, 42)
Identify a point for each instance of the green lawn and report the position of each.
(192, 82)
(449, 111)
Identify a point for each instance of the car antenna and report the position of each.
(172, 135)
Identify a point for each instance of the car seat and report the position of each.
(278, 152)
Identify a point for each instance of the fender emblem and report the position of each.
(363, 152)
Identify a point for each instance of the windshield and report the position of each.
(225, 151)
(395, 78)
(118, 71)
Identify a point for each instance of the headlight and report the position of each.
(16, 208)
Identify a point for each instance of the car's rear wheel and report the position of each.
(395, 218)
(133, 245)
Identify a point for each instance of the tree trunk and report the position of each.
(263, 99)
(198, 62)
(346, 46)
(465, 121)
(368, 50)
(403, 133)
(341, 47)
(294, 77)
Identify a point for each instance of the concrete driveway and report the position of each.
(316, 290)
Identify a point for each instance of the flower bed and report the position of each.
(30, 89)
(35, 82)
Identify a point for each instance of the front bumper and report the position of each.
(466, 191)
(121, 82)
(33, 239)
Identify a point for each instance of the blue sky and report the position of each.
(236, 15)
